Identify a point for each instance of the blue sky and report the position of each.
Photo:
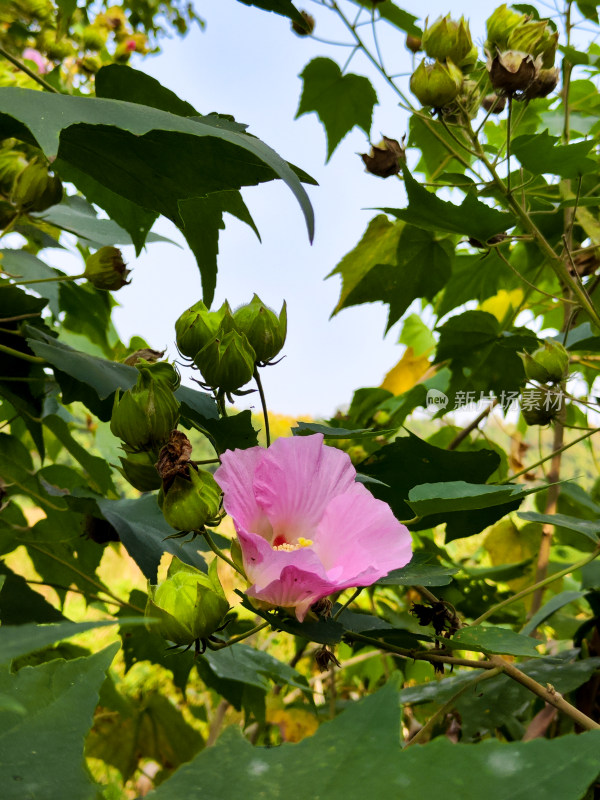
(246, 63)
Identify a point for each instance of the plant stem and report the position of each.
(460, 437)
(263, 403)
(219, 553)
(27, 71)
(348, 602)
(423, 734)
(539, 585)
(547, 693)
(18, 317)
(549, 456)
(241, 637)
(508, 126)
(47, 280)
(23, 356)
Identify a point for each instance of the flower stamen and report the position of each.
(289, 548)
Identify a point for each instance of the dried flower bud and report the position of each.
(190, 604)
(197, 326)
(307, 28)
(385, 158)
(413, 43)
(226, 362)
(548, 364)
(144, 416)
(145, 354)
(546, 82)
(34, 189)
(493, 103)
(540, 408)
(436, 84)
(106, 270)
(325, 658)
(448, 39)
(174, 458)
(191, 503)
(513, 71)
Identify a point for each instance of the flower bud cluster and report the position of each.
(521, 53)
(452, 55)
(26, 183)
(227, 347)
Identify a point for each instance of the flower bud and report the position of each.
(140, 470)
(307, 28)
(493, 103)
(548, 364)
(545, 83)
(106, 270)
(448, 39)
(12, 163)
(35, 189)
(93, 37)
(197, 326)
(385, 159)
(190, 604)
(436, 84)
(513, 71)
(540, 409)
(500, 25)
(265, 332)
(191, 503)
(226, 362)
(144, 416)
(90, 64)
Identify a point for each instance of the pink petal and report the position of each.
(235, 476)
(263, 564)
(359, 540)
(296, 480)
(295, 588)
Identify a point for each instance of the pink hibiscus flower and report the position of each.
(306, 527)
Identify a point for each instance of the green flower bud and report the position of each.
(500, 26)
(197, 326)
(436, 84)
(34, 189)
(93, 37)
(106, 270)
(226, 362)
(144, 416)
(265, 332)
(548, 364)
(190, 504)
(189, 604)
(140, 470)
(513, 71)
(448, 39)
(528, 38)
(540, 408)
(90, 64)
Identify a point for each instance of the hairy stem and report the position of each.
(263, 403)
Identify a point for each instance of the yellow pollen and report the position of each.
(289, 548)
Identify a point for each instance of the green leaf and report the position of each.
(554, 604)
(416, 334)
(428, 136)
(540, 154)
(441, 498)
(505, 572)
(340, 101)
(378, 247)
(282, 7)
(308, 428)
(19, 640)
(410, 461)
(42, 751)
(423, 570)
(474, 277)
(144, 533)
(202, 219)
(491, 639)
(588, 9)
(583, 337)
(423, 268)
(396, 16)
(172, 157)
(358, 755)
(96, 468)
(22, 264)
(19, 604)
(472, 218)
(78, 217)
(120, 82)
(589, 528)
(234, 431)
